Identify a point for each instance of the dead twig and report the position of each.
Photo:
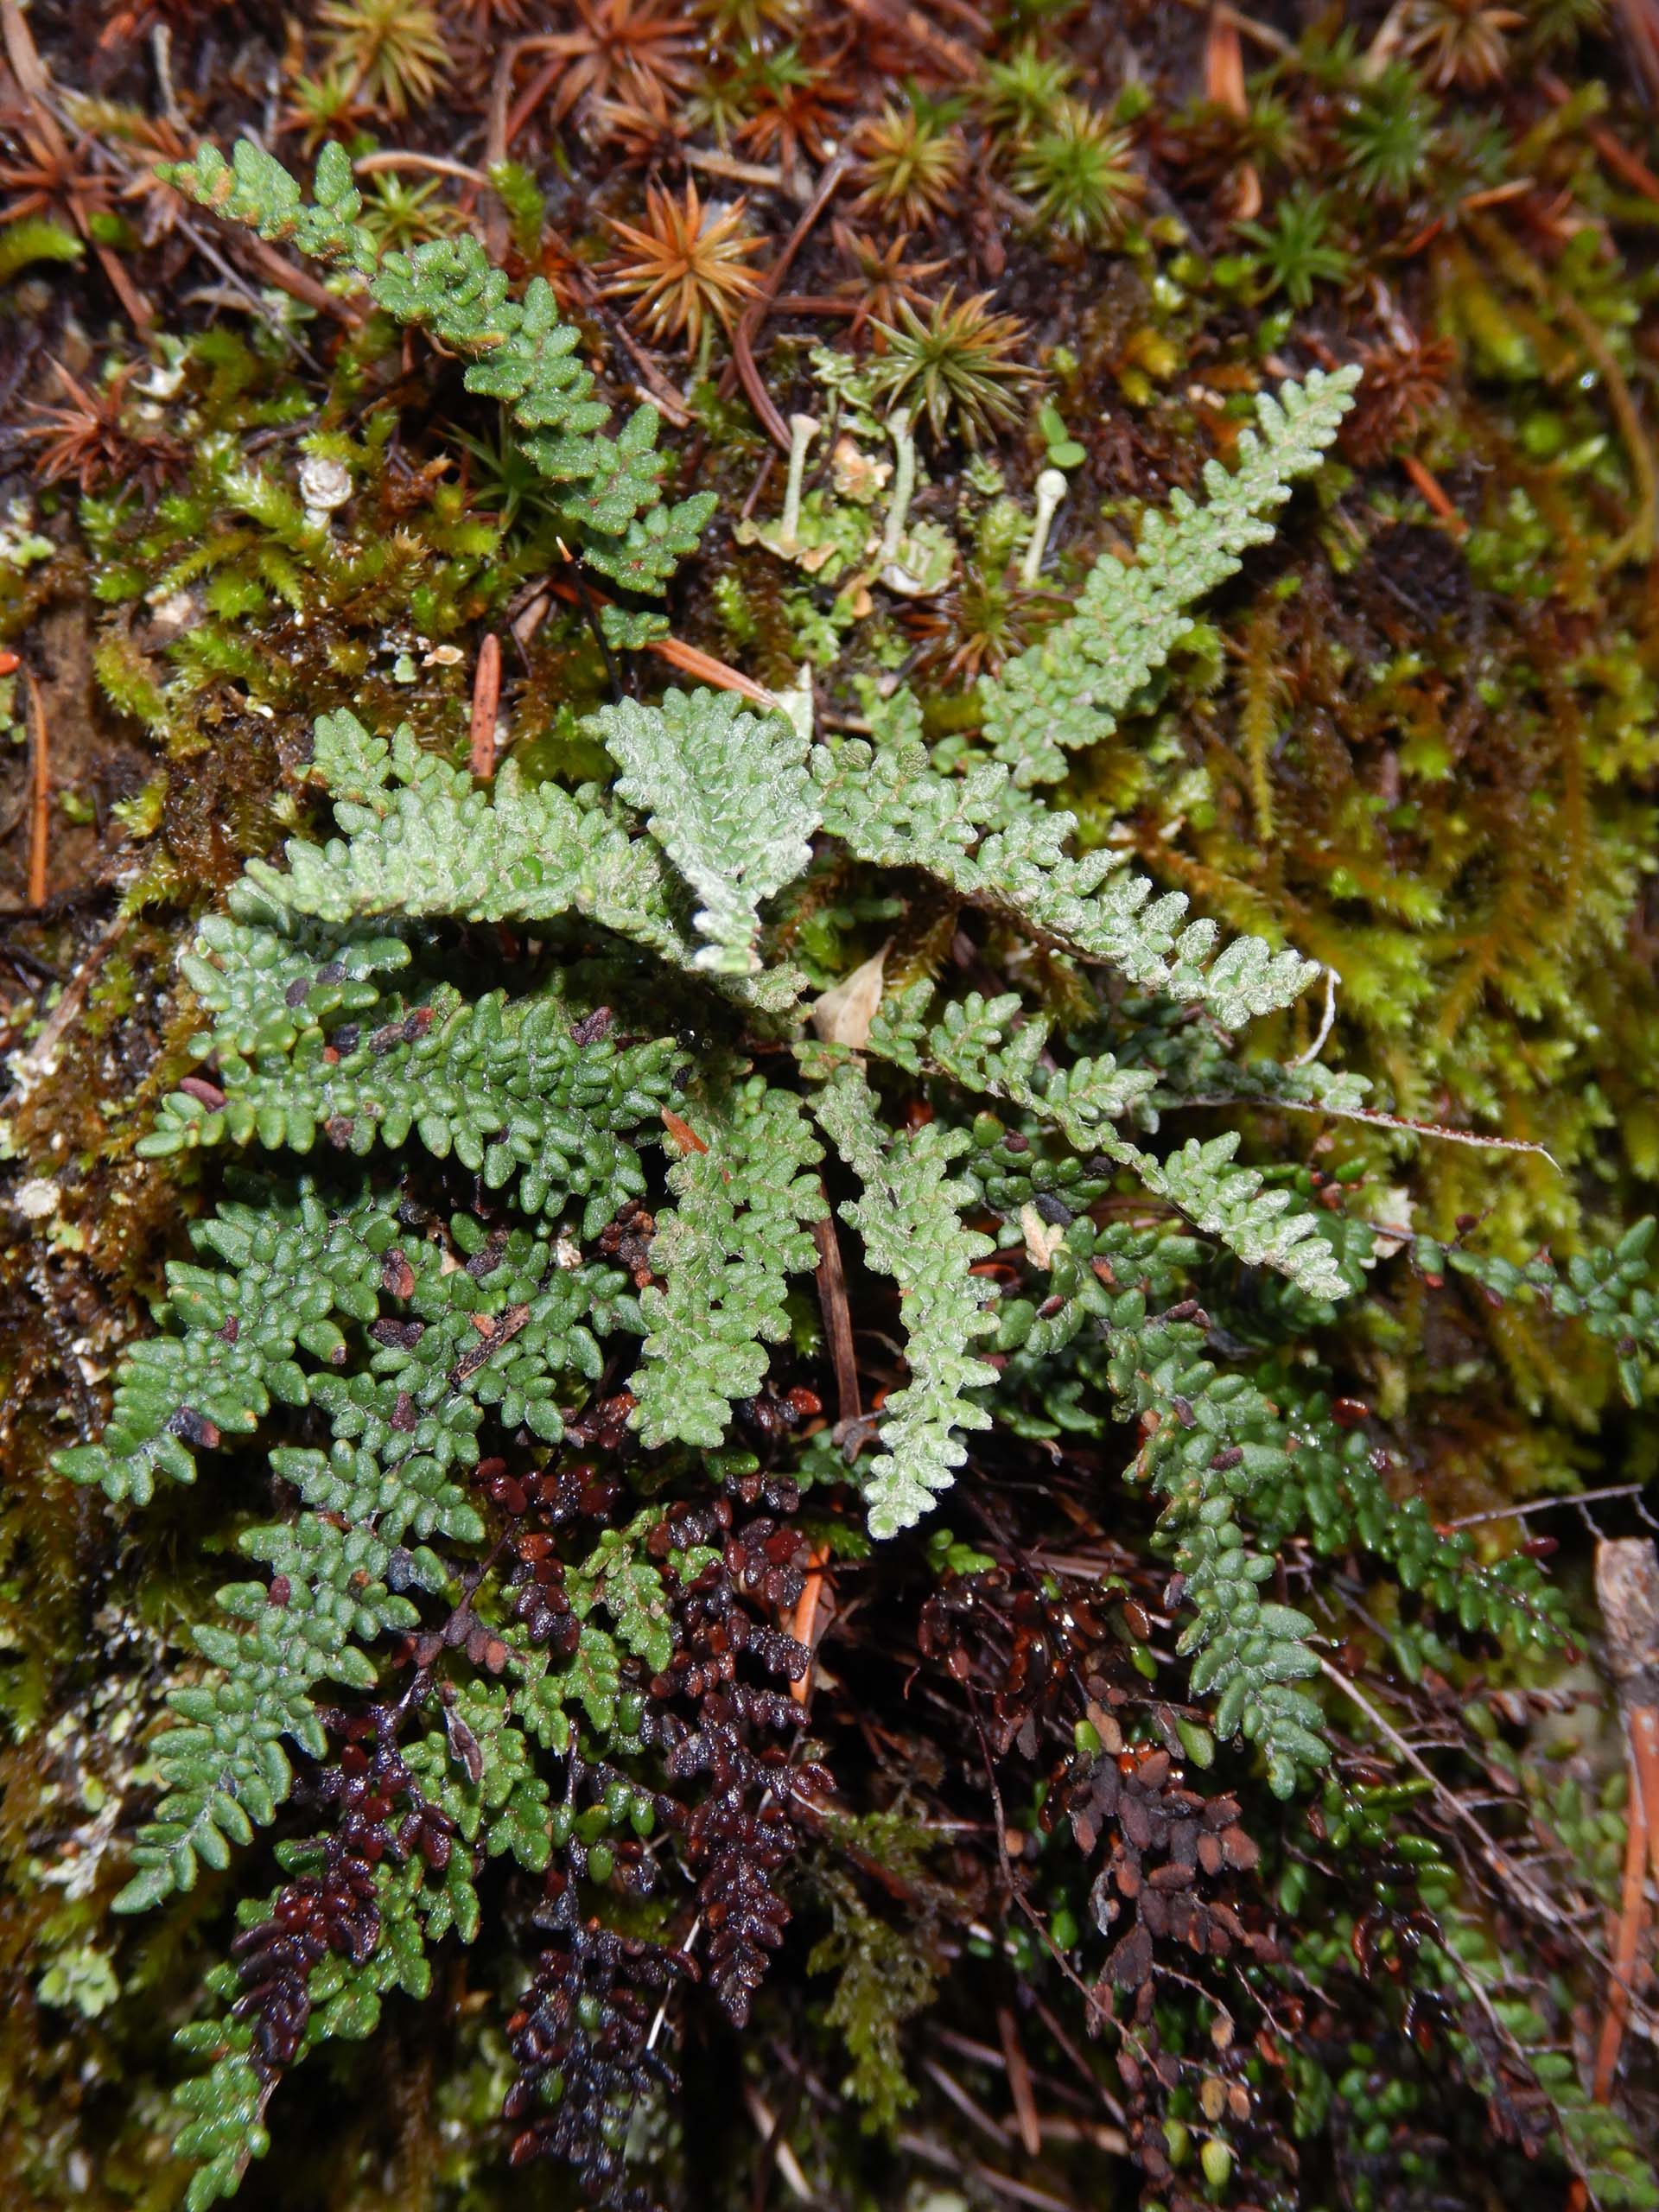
(1224, 85)
(657, 390)
(741, 367)
(837, 1318)
(774, 2147)
(966, 2105)
(838, 1329)
(1019, 2192)
(723, 165)
(1543, 1505)
(691, 660)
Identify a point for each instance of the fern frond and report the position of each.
(726, 794)
(254, 188)
(520, 353)
(1265, 1228)
(496, 1333)
(736, 1232)
(1608, 1289)
(616, 1576)
(292, 1267)
(511, 1088)
(223, 1767)
(424, 841)
(1331, 1490)
(1068, 691)
(888, 803)
(909, 1218)
(221, 2113)
(977, 1044)
(1213, 1438)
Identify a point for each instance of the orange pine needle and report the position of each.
(691, 660)
(804, 1627)
(682, 1132)
(1434, 492)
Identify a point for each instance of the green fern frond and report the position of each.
(1608, 1290)
(738, 1230)
(1213, 1438)
(979, 1043)
(726, 795)
(999, 851)
(221, 2113)
(908, 1217)
(293, 1266)
(520, 353)
(1068, 691)
(1266, 1228)
(500, 1333)
(425, 841)
(512, 1089)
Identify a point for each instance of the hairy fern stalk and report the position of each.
(509, 1271)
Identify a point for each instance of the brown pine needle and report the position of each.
(40, 795)
(1019, 2088)
(1632, 1918)
(487, 694)
(691, 660)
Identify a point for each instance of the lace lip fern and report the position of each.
(730, 802)
(453, 1353)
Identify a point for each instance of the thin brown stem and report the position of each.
(39, 795)
(837, 1318)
